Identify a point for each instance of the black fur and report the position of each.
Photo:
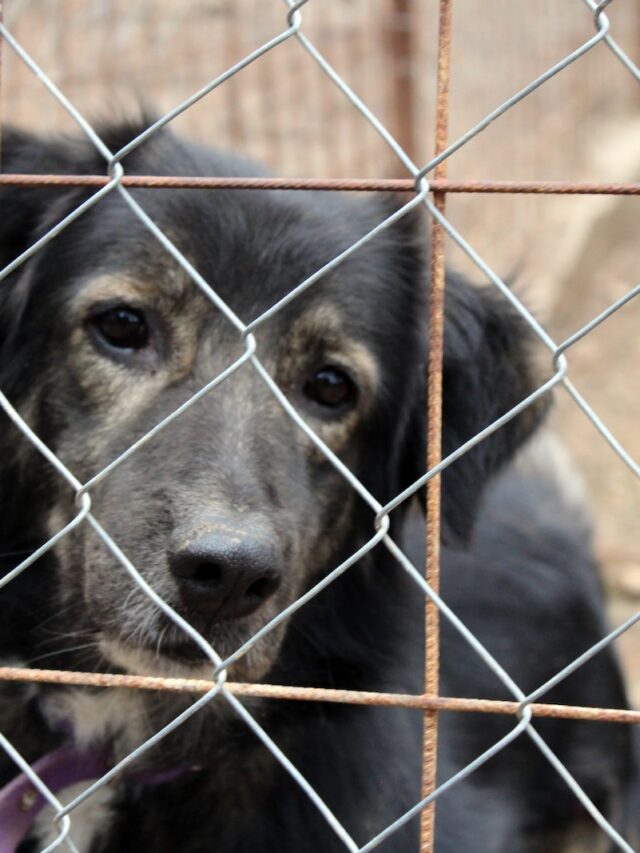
(526, 585)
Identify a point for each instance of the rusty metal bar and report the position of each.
(434, 442)
(392, 185)
(316, 694)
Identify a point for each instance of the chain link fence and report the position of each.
(427, 186)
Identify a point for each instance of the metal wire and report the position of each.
(419, 702)
(388, 185)
(524, 707)
(434, 444)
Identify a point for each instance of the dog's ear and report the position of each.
(488, 368)
(25, 210)
(490, 365)
(28, 211)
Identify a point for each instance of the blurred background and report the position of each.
(570, 256)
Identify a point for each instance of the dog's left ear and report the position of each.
(488, 368)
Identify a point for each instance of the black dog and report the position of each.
(231, 513)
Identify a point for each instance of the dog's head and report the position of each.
(230, 511)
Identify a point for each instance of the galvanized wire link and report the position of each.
(476, 439)
(604, 431)
(294, 26)
(49, 544)
(82, 491)
(63, 471)
(317, 588)
(331, 265)
(602, 428)
(603, 29)
(592, 324)
(453, 780)
(588, 804)
(579, 661)
(324, 810)
(38, 784)
(250, 346)
(631, 66)
(137, 753)
(72, 806)
(248, 358)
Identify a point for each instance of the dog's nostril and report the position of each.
(260, 589)
(207, 573)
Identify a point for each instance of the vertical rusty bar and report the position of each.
(434, 429)
(402, 53)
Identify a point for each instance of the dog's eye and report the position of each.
(331, 387)
(122, 327)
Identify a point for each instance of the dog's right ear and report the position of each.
(24, 208)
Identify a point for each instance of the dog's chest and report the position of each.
(90, 820)
(113, 718)
(107, 718)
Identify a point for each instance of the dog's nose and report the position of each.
(226, 576)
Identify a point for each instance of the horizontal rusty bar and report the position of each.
(331, 184)
(316, 694)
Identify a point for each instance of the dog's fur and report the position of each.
(234, 466)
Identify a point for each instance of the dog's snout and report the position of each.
(226, 576)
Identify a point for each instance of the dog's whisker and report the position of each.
(161, 637)
(21, 553)
(133, 592)
(52, 634)
(60, 611)
(63, 650)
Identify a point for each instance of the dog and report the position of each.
(231, 513)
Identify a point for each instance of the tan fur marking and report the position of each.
(317, 339)
(107, 287)
(89, 820)
(253, 666)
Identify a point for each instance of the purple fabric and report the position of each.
(21, 803)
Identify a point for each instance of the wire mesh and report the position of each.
(431, 195)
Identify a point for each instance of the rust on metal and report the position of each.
(315, 694)
(392, 185)
(434, 440)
